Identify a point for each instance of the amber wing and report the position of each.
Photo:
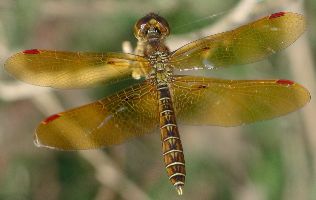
(112, 120)
(246, 44)
(208, 101)
(74, 69)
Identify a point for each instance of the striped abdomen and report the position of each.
(171, 143)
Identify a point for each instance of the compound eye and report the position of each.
(139, 31)
(163, 28)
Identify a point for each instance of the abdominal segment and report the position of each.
(171, 143)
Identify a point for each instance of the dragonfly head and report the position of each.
(152, 26)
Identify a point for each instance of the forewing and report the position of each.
(207, 101)
(131, 112)
(246, 44)
(74, 69)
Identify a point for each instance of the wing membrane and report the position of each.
(112, 120)
(207, 101)
(73, 69)
(246, 44)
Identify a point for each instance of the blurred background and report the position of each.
(273, 160)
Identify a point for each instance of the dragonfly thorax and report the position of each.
(161, 72)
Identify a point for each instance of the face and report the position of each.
(152, 26)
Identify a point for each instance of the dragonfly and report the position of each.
(160, 99)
